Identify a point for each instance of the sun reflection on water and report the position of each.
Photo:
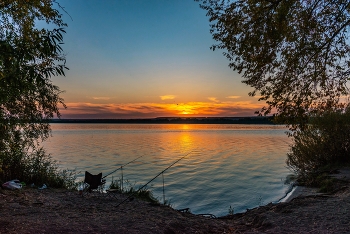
(226, 164)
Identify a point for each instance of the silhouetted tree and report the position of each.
(294, 53)
(29, 56)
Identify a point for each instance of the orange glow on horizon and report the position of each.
(147, 110)
(186, 109)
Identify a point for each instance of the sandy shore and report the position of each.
(62, 211)
(300, 191)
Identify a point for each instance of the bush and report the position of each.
(34, 167)
(324, 142)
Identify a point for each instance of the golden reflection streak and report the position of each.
(186, 127)
(186, 142)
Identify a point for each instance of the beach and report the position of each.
(63, 211)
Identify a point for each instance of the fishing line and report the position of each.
(153, 179)
(121, 167)
(163, 190)
(121, 182)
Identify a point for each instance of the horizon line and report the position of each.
(166, 117)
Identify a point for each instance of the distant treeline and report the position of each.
(176, 120)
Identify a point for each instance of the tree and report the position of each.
(294, 53)
(29, 56)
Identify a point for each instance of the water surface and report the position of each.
(241, 166)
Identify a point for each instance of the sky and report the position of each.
(146, 59)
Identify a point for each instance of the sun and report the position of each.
(186, 109)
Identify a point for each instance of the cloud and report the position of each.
(101, 98)
(152, 110)
(167, 97)
(213, 99)
(233, 97)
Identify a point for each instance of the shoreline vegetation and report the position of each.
(30, 210)
(309, 94)
(176, 120)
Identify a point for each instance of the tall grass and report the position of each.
(34, 167)
(144, 193)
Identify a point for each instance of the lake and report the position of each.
(242, 166)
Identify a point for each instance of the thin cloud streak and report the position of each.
(233, 97)
(101, 98)
(213, 99)
(167, 97)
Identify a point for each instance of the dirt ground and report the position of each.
(62, 211)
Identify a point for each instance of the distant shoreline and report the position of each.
(176, 120)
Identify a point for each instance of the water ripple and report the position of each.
(242, 166)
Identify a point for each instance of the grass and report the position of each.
(231, 210)
(143, 194)
(322, 180)
(36, 167)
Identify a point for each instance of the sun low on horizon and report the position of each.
(146, 59)
(152, 110)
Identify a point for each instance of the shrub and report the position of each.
(324, 142)
(35, 166)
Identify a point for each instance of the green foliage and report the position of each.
(29, 56)
(231, 211)
(115, 184)
(322, 181)
(144, 193)
(327, 185)
(35, 167)
(294, 53)
(323, 142)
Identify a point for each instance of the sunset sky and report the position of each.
(145, 59)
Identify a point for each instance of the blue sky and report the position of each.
(146, 58)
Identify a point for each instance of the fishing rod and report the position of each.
(121, 167)
(153, 179)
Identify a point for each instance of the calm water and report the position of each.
(242, 166)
